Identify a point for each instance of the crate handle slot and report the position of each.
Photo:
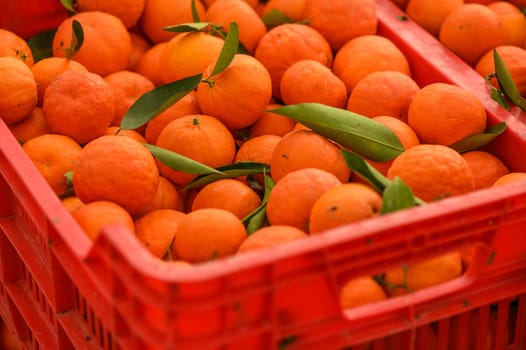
(409, 306)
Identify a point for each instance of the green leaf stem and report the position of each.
(366, 171)
(380, 183)
(195, 13)
(229, 171)
(396, 196)
(180, 162)
(257, 218)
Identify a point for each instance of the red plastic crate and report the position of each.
(58, 291)
(30, 17)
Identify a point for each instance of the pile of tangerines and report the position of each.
(69, 110)
(472, 29)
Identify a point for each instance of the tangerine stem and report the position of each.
(209, 81)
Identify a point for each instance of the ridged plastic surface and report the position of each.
(60, 291)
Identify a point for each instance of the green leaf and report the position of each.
(241, 48)
(497, 96)
(396, 196)
(195, 13)
(42, 44)
(228, 51)
(157, 100)
(69, 177)
(274, 18)
(506, 83)
(180, 162)
(378, 181)
(257, 218)
(229, 171)
(188, 27)
(70, 190)
(476, 141)
(77, 39)
(362, 135)
(68, 5)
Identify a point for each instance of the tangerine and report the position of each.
(306, 149)
(251, 27)
(158, 14)
(208, 234)
(343, 204)
(188, 54)
(311, 81)
(470, 30)
(383, 93)
(117, 169)
(127, 87)
(229, 194)
(156, 230)
(290, 201)
(270, 236)
(423, 274)
(18, 91)
(47, 69)
(511, 177)
(343, 20)
(513, 58)
(107, 43)
(13, 45)
(148, 63)
(30, 127)
(53, 155)
(430, 15)
(513, 22)
(361, 291)
(272, 123)
(366, 54)
(238, 95)
(288, 43)
(167, 196)
(433, 172)
(486, 168)
(128, 11)
(187, 105)
(79, 104)
(185, 136)
(95, 216)
(442, 113)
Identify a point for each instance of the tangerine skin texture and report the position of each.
(118, 169)
(443, 114)
(79, 104)
(293, 196)
(433, 172)
(18, 95)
